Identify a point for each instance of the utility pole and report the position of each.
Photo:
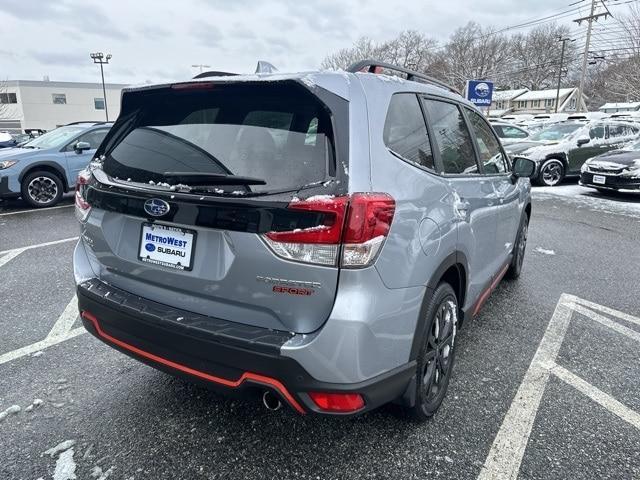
(99, 57)
(201, 67)
(592, 16)
(564, 44)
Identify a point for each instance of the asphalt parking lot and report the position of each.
(546, 382)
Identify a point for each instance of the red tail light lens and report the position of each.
(83, 208)
(360, 223)
(328, 233)
(337, 402)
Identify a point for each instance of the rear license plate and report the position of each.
(167, 246)
(599, 179)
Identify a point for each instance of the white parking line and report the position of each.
(632, 334)
(60, 332)
(35, 210)
(14, 252)
(608, 311)
(505, 455)
(598, 396)
(10, 256)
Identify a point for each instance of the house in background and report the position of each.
(544, 101)
(502, 102)
(620, 107)
(44, 105)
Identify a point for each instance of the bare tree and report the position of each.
(536, 57)
(410, 49)
(472, 53)
(625, 69)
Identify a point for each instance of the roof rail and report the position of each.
(93, 122)
(370, 66)
(214, 73)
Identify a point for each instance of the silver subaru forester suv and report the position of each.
(320, 237)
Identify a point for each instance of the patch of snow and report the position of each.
(65, 466)
(237, 192)
(320, 198)
(544, 251)
(590, 199)
(62, 446)
(389, 78)
(97, 473)
(13, 409)
(36, 403)
(308, 81)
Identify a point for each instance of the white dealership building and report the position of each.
(27, 105)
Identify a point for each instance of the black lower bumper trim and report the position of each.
(4, 189)
(151, 333)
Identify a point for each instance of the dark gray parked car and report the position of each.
(320, 237)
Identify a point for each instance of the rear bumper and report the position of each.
(613, 182)
(221, 354)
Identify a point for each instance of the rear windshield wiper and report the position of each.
(203, 178)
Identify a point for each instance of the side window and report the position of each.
(93, 138)
(622, 130)
(597, 132)
(451, 137)
(491, 156)
(513, 132)
(405, 132)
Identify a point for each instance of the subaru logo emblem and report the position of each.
(156, 207)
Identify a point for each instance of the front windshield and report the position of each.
(555, 132)
(55, 138)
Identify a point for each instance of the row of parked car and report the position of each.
(603, 152)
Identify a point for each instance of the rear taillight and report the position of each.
(83, 208)
(355, 225)
(337, 402)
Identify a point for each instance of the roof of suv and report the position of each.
(337, 82)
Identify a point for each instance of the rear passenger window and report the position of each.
(451, 137)
(405, 132)
(491, 156)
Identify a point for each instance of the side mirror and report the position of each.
(583, 141)
(523, 168)
(81, 147)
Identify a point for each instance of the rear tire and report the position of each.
(437, 354)
(551, 173)
(515, 267)
(41, 189)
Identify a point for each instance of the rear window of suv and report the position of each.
(279, 133)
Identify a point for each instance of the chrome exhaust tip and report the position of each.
(271, 402)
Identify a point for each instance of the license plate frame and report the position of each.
(599, 179)
(146, 255)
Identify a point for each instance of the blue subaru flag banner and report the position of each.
(480, 92)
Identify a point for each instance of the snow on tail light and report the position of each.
(355, 225)
(368, 223)
(319, 244)
(83, 208)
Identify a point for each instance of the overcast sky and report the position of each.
(160, 40)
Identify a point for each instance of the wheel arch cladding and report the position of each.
(50, 167)
(452, 270)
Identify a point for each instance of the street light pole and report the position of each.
(100, 58)
(564, 44)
